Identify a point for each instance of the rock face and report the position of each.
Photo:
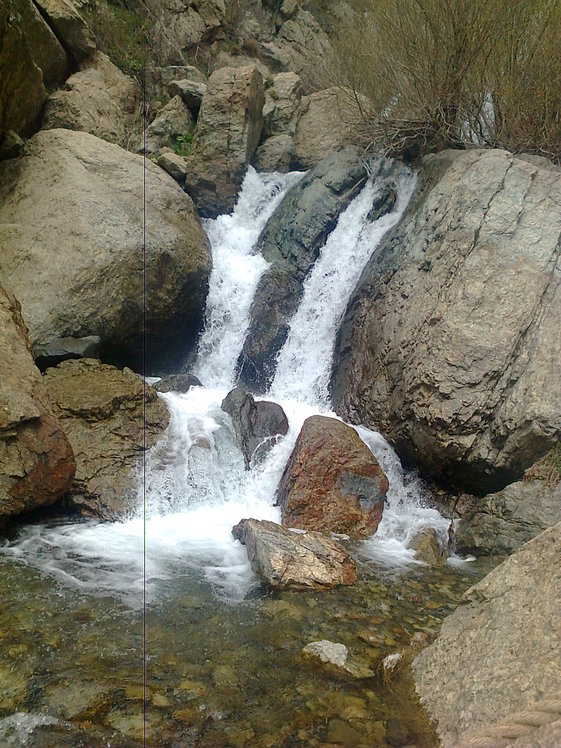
(173, 121)
(258, 425)
(69, 26)
(324, 126)
(291, 242)
(282, 105)
(452, 340)
(500, 651)
(332, 482)
(36, 461)
(299, 561)
(31, 60)
(191, 93)
(79, 271)
(101, 410)
(98, 99)
(228, 132)
(275, 154)
(502, 522)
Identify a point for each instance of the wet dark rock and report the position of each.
(332, 481)
(177, 383)
(291, 242)
(62, 349)
(11, 145)
(384, 202)
(502, 522)
(257, 424)
(297, 560)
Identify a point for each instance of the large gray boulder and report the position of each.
(69, 27)
(502, 522)
(32, 60)
(452, 340)
(109, 418)
(500, 651)
(36, 461)
(228, 131)
(297, 560)
(98, 99)
(71, 230)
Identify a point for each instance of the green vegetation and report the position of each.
(183, 144)
(121, 33)
(431, 74)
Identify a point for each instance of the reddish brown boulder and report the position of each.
(36, 460)
(332, 481)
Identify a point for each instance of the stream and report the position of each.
(223, 659)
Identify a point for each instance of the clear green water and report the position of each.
(220, 673)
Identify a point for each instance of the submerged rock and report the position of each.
(36, 461)
(297, 560)
(258, 425)
(291, 242)
(107, 421)
(500, 651)
(336, 657)
(451, 342)
(228, 131)
(428, 547)
(332, 481)
(74, 251)
(502, 522)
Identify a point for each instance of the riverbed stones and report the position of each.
(228, 131)
(98, 99)
(332, 482)
(108, 417)
(452, 340)
(502, 522)
(257, 424)
(335, 658)
(36, 461)
(500, 651)
(285, 559)
(78, 271)
(291, 242)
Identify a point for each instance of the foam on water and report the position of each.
(196, 485)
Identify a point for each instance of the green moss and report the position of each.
(183, 144)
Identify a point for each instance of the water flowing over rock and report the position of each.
(297, 560)
(177, 383)
(31, 60)
(228, 131)
(98, 99)
(502, 522)
(452, 341)
(258, 425)
(36, 461)
(103, 414)
(291, 242)
(332, 481)
(78, 270)
(500, 651)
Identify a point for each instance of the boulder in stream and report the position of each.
(108, 423)
(332, 481)
(284, 558)
(258, 424)
(36, 461)
(451, 342)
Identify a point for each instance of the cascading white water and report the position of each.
(196, 485)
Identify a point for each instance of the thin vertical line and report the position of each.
(144, 408)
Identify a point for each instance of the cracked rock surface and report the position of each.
(452, 340)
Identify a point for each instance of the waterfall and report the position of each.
(196, 485)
